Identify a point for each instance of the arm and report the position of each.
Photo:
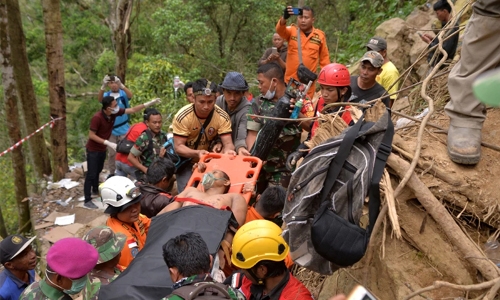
(95, 138)
(239, 207)
(142, 106)
(264, 59)
(251, 137)
(172, 206)
(306, 125)
(100, 95)
(134, 160)
(227, 144)
(282, 30)
(281, 62)
(182, 150)
(241, 133)
(127, 91)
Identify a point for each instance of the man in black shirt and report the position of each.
(365, 87)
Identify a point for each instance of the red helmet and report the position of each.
(334, 75)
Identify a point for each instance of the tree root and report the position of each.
(439, 213)
(492, 284)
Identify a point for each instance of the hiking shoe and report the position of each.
(464, 145)
(90, 205)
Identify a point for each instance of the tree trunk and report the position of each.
(119, 24)
(12, 115)
(25, 90)
(57, 94)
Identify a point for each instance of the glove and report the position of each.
(105, 81)
(119, 82)
(152, 102)
(293, 158)
(110, 144)
(286, 15)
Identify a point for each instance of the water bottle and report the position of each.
(296, 110)
(492, 251)
(134, 248)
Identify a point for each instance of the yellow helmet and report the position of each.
(256, 241)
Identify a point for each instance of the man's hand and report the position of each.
(249, 187)
(287, 12)
(201, 153)
(105, 81)
(217, 147)
(273, 56)
(200, 166)
(119, 82)
(110, 144)
(152, 102)
(243, 151)
(426, 38)
(292, 104)
(162, 152)
(230, 152)
(292, 159)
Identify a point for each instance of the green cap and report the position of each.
(107, 243)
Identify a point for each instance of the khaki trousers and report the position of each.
(480, 53)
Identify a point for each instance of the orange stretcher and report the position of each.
(240, 169)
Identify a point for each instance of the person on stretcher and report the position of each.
(215, 184)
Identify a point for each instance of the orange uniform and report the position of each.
(314, 51)
(137, 233)
(252, 214)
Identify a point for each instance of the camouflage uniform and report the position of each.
(109, 245)
(274, 172)
(140, 149)
(234, 293)
(43, 291)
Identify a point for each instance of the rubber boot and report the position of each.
(464, 145)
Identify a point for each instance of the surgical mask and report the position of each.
(77, 285)
(208, 180)
(115, 110)
(270, 95)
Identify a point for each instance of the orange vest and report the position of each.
(136, 231)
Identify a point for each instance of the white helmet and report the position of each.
(118, 191)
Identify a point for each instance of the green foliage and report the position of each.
(105, 64)
(8, 203)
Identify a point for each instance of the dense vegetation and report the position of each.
(173, 37)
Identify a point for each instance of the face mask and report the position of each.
(270, 95)
(208, 180)
(77, 285)
(115, 110)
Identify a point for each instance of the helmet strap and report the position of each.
(260, 281)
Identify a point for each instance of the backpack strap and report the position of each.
(150, 143)
(202, 131)
(383, 152)
(338, 161)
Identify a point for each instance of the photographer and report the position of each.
(272, 87)
(122, 95)
(148, 145)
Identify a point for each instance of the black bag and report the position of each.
(303, 73)
(327, 192)
(203, 290)
(125, 144)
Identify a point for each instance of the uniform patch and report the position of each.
(16, 240)
(211, 131)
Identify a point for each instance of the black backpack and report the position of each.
(326, 194)
(203, 290)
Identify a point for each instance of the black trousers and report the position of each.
(95, 163)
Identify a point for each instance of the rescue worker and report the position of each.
(268, 205)
(154, 193)
(142, 153)
(189, 262)
(198, 124)
(272, 87)
(109, 246)
(313, 40)
(234, 103)
(69, 261)
(334, 80)
(260, 250)
(19, 261)
(124, 207)
(390, 74)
